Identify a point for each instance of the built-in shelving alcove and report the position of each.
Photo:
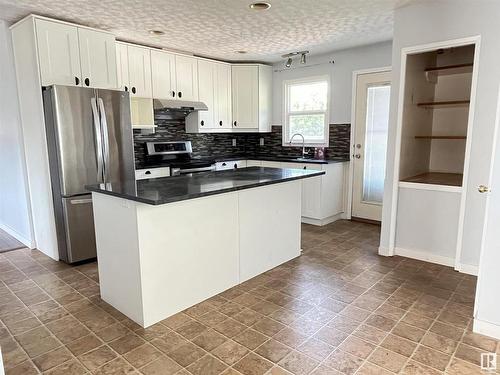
(435, 116)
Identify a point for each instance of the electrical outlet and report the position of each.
(234, 142)
(261, 141)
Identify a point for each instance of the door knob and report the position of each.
(483, 189)
(357, 156)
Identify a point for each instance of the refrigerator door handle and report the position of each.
(105, 136)
(98, 140)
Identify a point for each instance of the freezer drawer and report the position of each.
(79, 228)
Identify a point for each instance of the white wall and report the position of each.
(14, 204)
(346, 61)
(429, 22)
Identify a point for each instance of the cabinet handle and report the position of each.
(304, 167)
(87, 82)
(173, 94)
(234, 123)
(235, 166)
(179, 94)
(220, 123)
(77, 81)
(147, 172)
(126, 88)
(224, 164)
(202, 122)
(133, 90)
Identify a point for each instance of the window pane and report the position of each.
(312, 127)
(377, 120)
(308, 96)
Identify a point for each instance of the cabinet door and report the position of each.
(206, 86)
(122, 66)
(186, 77)
(139, 69)
(58, 53)
(97, 59)
(245, 93)
(163, 75)
(223, 96)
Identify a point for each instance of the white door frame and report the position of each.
(350, 180)
(475, 40)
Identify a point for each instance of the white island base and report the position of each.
(155, 261)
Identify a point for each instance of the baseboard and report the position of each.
(468, 269)
(425, 256)
(321, 222)
(384, 251)
(17, 236)
(486, 328)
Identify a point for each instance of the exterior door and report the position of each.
(370, 144)
(98, 59)
(58, 53)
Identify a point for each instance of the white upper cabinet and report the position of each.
(58, 53)
(98, 59)
(207, 73)
(186, 77)
(122, 66)
(223, 94)
(163, 75)
(139, 70)
(245, 92)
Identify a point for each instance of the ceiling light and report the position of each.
(156, 32)
(288, 62)
(303, 58)
(260, 6)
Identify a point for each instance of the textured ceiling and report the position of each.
(218, 28)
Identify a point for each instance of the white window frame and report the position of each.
(286, 113)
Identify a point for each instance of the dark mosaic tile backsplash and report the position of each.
(217, 145)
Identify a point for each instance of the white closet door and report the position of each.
(163, 75)
(223, 95)
(186, 73)
(98, 59)
(139, 69)
(207, 86)
(58, 52)
(245, 96)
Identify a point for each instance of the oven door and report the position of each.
(190, 171)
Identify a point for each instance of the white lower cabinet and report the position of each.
(323, 196)
(254, 163)
(143, 174)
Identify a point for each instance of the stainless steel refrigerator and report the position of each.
(89, 140)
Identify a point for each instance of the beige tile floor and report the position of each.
(338, 309)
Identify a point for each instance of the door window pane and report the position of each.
(377, 120)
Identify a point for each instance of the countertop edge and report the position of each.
(93, 189)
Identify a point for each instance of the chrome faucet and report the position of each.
(303, 143)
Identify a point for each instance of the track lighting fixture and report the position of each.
(289, 56)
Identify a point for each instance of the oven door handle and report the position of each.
(178, 171)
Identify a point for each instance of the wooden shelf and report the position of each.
(448, 103)
(440, 137)
(450, 69)
(436, 178)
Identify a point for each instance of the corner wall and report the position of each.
(14, 198)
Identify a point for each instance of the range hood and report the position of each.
(176, 108)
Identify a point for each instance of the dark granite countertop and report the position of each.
(158, 191)
(233, 157)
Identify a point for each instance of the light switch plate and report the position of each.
(261, 141)
(234, 142)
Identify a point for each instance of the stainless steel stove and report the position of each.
(177, 155)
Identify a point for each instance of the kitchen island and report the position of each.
(166, 244)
